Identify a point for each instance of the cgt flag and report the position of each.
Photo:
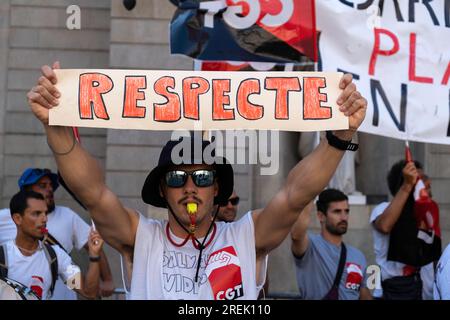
(244, 30)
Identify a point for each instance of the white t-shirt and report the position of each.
(8, 229)
(442, 285)
(34, 271)
(65, 226)
(68, 228)
(228, 266)
(390, 269)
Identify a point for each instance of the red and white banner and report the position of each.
(399, 53)
(198, 100)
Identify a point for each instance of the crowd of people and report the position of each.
(202, 251)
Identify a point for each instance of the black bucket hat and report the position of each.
(224, 172)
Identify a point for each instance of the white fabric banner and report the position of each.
(399, 53)
(198, 100)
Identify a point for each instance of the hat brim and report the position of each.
(151, 191)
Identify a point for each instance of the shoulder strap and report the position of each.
(341, 265)
(52, 240)
(53, 262)
(3, 262)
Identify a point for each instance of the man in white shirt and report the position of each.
(65, 227)
(8, 229)
(26, 258)
(165, 257)
(228, 213)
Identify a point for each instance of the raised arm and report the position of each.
(90, 284)
(107, 281)
(386, 221)
(81, 171)
(299, 233)
(309, 177)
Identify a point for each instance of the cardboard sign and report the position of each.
(200, 100)
(399, 54)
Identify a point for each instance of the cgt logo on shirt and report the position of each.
(354, 276)
(224, 274)
(37, 285)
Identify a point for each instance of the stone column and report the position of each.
(4, 33)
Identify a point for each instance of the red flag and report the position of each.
(258, 30)
(222, 66)
(206, 65)
(299, 31)
(426, 211)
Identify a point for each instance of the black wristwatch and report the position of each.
(340, 144)
(94, 259)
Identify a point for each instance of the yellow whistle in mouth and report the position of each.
(191, 208)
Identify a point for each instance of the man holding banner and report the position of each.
(189, 256)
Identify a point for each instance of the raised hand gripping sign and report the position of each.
(185, 100)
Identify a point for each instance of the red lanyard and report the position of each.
(194, 240)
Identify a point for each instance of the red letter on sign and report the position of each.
(169, 111)
(192, 88)
(220, 86)
(312, 98)
(282, 86)
(412, 62)
(245, 108)
(92, 87)
(133, 93)
(446, 75)
(376, 48)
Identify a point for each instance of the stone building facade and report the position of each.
(34, 32)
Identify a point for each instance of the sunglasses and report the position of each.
(234, 201)
(201, 178)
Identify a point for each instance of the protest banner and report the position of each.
(181, 100)
(399, 54)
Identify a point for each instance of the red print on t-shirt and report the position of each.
(224, 274)
(37, 285)
(354, 276)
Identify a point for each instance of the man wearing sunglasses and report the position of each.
(228, 212)
(189, 256)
